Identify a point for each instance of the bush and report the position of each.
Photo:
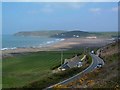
(55, 66)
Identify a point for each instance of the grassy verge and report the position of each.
(89, 59)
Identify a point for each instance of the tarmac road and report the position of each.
(95, 61)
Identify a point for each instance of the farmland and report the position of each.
(23, 69)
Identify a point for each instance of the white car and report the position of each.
(99, 65)
(92, 52)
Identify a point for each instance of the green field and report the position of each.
(105, 34)
(21, 70)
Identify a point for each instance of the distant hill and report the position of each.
(54, 34)
(67, 34)
(71, 34)
(38, 33)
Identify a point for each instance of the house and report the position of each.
(70, 63)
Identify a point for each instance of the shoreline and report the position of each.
(70, 43)
(15, 42)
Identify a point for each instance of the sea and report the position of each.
(14, 42)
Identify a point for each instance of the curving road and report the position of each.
(95, 61)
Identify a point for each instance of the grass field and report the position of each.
(21, 70)
(105, 34)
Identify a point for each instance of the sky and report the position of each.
(36, 16)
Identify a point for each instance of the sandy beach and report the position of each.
(62, 45)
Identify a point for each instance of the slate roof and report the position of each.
(70, 63)
(73, 61)
(65, 66)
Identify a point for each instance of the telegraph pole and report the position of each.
(84, 50)
(61, 57)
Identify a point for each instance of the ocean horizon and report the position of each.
(13, 42)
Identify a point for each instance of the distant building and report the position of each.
(76, 36)
(91, 37)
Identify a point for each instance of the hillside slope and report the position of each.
(105, 77)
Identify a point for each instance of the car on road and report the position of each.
(92, 52)
(99, 65)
